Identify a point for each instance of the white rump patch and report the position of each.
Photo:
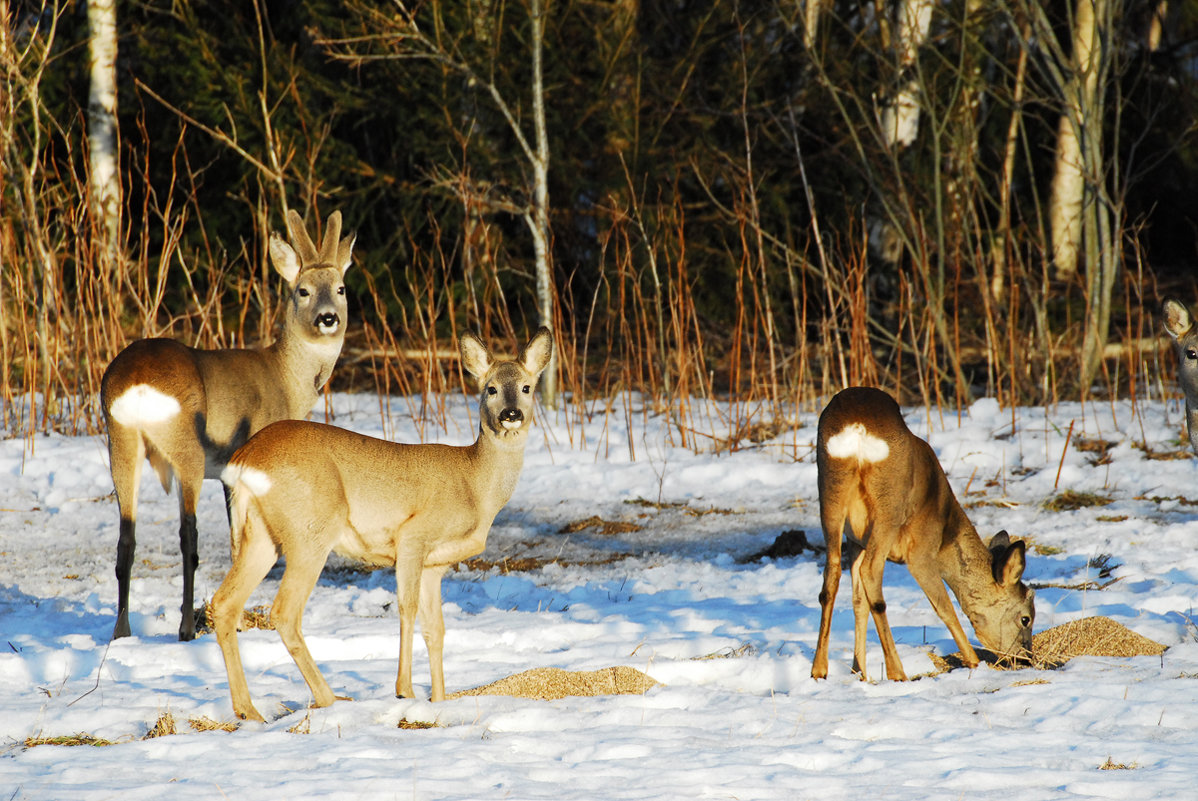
(855, 441)
(256, 482)
(142, 404)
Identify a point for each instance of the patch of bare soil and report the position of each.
(551, 684)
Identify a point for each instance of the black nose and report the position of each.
(511, 416)
(327, 320)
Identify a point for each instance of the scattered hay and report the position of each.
(208, 724)
(256, 617)
(163, 727)
(527, 564)
(1111, 764)
(745, 649)
(551, 684)
(606, 527)
(71, 739)
(1071, 500)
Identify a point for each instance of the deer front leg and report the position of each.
(407, 590)
(432, 626)
(927, 576)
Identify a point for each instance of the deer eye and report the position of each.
(303, 292)
(526, 389)
(1191, 354)
(341, 290)
(491, 390)
(1026, 621)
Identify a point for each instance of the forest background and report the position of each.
(759, 202)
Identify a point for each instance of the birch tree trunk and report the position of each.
(1069, 180)
(900, 116)
(539, 222)
(104, 187)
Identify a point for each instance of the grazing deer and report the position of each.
(1180, 326)
(304, 489)
(888, 485)
(187, 410)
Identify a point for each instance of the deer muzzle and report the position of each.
(328, 323)
(511, 418)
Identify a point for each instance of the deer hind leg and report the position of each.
(127, 453)
(287, 613)
(832, 516)
(927, 575)
(254, 560)
(872, 565)
(432, 626)
(854, 553)
(191, 478)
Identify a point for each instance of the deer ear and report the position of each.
(476, 359)
(284, 259)
(1010, 563)
(1177, 318)
(345, 251)
(536, 354)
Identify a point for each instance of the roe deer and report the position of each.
(888, 485)
(187, 410)
(1180, 326)
(304, 489)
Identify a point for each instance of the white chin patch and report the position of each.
(142, 404)
(328, 330)
(510, 425)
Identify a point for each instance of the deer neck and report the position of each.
(498, 461)
(965, 562)
(304, 366)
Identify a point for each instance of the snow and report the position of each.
(747, 723)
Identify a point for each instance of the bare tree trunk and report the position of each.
(105, 187)
(539, 222)
(900, 116)
(1069, 180)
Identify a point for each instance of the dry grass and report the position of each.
(606, 527)
(1070, 500)
(551, 684)
(202, 724)
(1111, 764)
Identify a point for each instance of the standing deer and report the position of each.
(888, 485)
(304, 489)
(187, 410)
(1180, 326)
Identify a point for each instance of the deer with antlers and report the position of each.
(186, 410)
(304, 489)
(888, 485)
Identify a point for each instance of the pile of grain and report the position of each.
(550, 684)
(1090, 636)
(1051, 648)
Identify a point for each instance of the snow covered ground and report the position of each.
(658, 593)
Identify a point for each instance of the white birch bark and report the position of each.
(105, 189)
(900, 116)
(540, 211)
(1069, 180)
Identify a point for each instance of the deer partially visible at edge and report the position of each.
(304, 489)
(888, 485)
(187, 410)
(1180, 325)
